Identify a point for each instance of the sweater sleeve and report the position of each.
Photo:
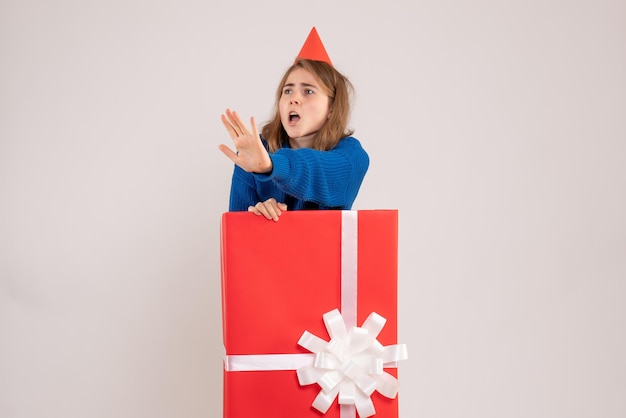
(329, 178)
(242, 191)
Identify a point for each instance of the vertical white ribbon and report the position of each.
(349, 281)
(349, 259)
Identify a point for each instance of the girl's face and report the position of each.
(304, 107)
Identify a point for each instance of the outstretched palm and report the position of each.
(251, 155)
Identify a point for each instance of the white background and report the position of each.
(497, 128)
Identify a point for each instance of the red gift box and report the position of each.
(279, 279)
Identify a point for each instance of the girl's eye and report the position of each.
(308, 91)
(287, 91)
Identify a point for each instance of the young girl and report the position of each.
(305, 157)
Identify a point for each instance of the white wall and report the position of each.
(496, 128)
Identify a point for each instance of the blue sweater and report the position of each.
(305, 178)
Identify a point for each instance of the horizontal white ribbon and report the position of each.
(254, 362)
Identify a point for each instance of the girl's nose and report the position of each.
(294, 100)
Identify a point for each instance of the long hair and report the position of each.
(339, 91)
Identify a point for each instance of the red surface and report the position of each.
(278, 279)
(313, 48)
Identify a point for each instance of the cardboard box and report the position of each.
(279, 279)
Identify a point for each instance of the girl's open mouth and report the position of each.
(293, 117)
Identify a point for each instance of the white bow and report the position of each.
(350, 365)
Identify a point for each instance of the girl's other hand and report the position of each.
(250, 153)
(271, 209)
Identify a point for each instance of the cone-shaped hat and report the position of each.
(313, 48)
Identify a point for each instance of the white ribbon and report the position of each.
(349, 264)
(255, 362)
(350, 365)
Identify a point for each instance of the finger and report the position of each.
(241, 125)
(254, 210)
(237, 123)
(282, 206)
(229, 127)
(263, 209)
(274, 205)
(229, 121)
(272, 209)
(255, 131)
(228, 152)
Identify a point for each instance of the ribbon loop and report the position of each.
(359, 339)
(364, 406)
(395, 352)
(334, 324)
(347, 393)
(374, 324)
(311, 342)
(324, 400)
(308, 375)
(387, 385)
(376, 366)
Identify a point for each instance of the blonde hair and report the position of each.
(339, 91)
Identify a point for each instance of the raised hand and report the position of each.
(250, 153)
